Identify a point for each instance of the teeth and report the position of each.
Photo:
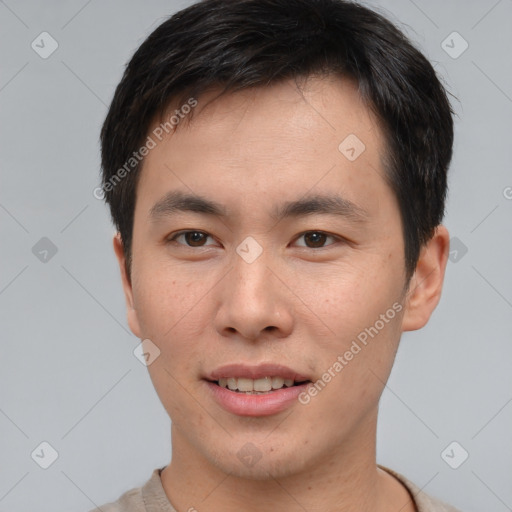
(264, 384)
(246, 385)
(277, 382)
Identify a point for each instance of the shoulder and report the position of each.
(137, 499)
(422, 501)
(130, 501)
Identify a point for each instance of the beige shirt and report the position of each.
(151, 497)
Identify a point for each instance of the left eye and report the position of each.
(315, 238)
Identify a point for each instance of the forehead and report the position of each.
(321, 111)
(272, 141)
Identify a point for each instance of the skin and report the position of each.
(298, 305)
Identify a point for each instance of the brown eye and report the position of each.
(191, 238)
(315, 239)
(195, 238)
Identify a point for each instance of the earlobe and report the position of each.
(427, 282)
(131, 312)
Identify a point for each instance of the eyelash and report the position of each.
(180, 233)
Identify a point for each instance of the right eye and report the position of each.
(192, 238)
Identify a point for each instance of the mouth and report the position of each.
(261, 390)
(259, 386)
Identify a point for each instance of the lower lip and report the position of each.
(264, 404)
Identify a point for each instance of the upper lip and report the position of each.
(255, 372)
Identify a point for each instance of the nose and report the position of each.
(254, 301)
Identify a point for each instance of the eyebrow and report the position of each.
(177, 201)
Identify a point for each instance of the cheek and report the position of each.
(360, 312)
(172, 312)
(351, 380)
(167, 297)
(346, 298)
(182, 402)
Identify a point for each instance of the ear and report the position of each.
(131, 312)
(427, 281)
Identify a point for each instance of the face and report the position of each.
(303, 260)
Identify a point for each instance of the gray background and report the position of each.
(67, 372)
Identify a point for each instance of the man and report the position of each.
(276, 171)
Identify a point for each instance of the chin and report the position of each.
(257, 462)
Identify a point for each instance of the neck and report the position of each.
(347, 478)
